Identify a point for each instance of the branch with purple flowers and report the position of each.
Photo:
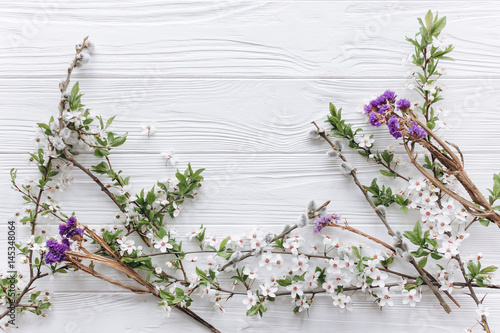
(440, 192)
(319, 255)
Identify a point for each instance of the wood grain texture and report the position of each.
(233, 87)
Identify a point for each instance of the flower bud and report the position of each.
(382, 210)
(332, 153)
(302, 221)
(346, 168)
(311, 206)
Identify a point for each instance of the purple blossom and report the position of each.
(394, 127)
(382, 109)
(389, 96)
(74, 232)
(378, 101)
(325, 220)
(56, 251)
(416, 130)
(69, 228)
(368, 108)
(374, 121)
(403, 103)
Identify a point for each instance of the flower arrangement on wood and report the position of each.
(312, 257)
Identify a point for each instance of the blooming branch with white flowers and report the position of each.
(319, 254)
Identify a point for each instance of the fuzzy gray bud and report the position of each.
(269, 238)
(286, 228)
(332, 153)
(313, 134)
(83, 59)
(346, 168)
(302, 221)
(311, 206)
(90, 46)
(62, 84)
(338, 143)
(382, 210)
(236, 257)
(258, 252)
(407, 256)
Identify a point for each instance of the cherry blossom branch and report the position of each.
(382, 218)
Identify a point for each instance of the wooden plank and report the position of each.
(239, 116)
(240, 39)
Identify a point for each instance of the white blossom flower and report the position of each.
(166, 310)
(302, 304)
(379, 279)
(57, 142)
(148, 128)
(268, 289)
(385, 298)
(364, 141)
(220, 309)
(193, 234)
(251, 272)
(300, 264)
(278, 260)
(266, 260)
(439, 43)
(329, 286)
(126, 245)
(411, 297)
(416, 184)
(177, 209)
(429, 86)
(335, 266)
(482, 310)
(163, 244)
(295, 289)
(448, 248)
(342, 301)
(251, 299)
(170, 157)
(207, 291)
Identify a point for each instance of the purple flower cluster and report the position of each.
(378, 107)
(415, 129)
(68, 229)
(403, 104)
(393, 125)
(325, 220)
(57, 251)
(379, 112)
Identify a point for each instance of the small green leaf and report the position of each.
(422, 262)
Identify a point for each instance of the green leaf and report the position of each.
(436, 256)
(473, 269)
(419, 281)
(100, 153)
(484, 222)
(108, 123)
(223, 243)
(428, 20)
(388, 173)
(356, 252)
(285, 282)
(118, 141)
(488, 270)
(422, 262)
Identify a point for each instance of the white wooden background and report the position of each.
(233, 87)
